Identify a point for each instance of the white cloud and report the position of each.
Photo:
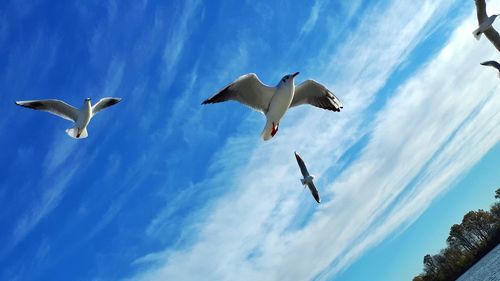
(49, 199)
(313, 17)
(424, 134)
(177, 38)
(251, 232)
(62, 149)
(114, 77)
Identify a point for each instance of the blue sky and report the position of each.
(167, 189)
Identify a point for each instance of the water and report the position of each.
(487, 269)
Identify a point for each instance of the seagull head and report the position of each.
(87, 99)
(288, 78)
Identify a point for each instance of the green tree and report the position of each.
(495, 212)
(479, 224)
(430, 267)
(461, 239)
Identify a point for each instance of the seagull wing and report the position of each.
(104, 103)
(492, 63)
(56, 107)
(313, 93)
(314, 191)
(302, 165)
(493, 36)
(248, 90)
(481, 11)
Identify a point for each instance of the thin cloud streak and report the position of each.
(50, 199)
(115, 77)
(174, 46)
(313, 17)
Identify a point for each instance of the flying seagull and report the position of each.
(308, 179)
(81, 117)
(485, 24)
(273, 102)
(494, 64)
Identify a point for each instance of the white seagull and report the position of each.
(273, 102)
(484, 26)
(491, 34)
(308, 179)
(81, 117)
(493, 64)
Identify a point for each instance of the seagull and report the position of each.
(81, 117)
(484, 26)
(494, 64)
(482, 16)
(308, 179)
(273, 102)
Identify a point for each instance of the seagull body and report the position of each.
(493, 64)
(80, 117)
(273, 102)
(308, 179)
(484, 26)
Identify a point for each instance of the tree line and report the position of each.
(467, 243)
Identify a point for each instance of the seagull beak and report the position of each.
(295, 74)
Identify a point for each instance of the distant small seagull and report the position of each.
(273, 102)
(483, 26)
(494, 64)
(81, 117)
(308, 179)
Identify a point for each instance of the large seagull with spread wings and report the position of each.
(273, 102)
(81, 117)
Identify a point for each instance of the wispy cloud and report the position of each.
(362, 206)
(114, 77)
(62, 149)
(49, 200)
(313, 17)
(184, 25)
(430, 150)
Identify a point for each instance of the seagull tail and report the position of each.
(303, 181)
(267, 133)
(73, 132)
(477, 34)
